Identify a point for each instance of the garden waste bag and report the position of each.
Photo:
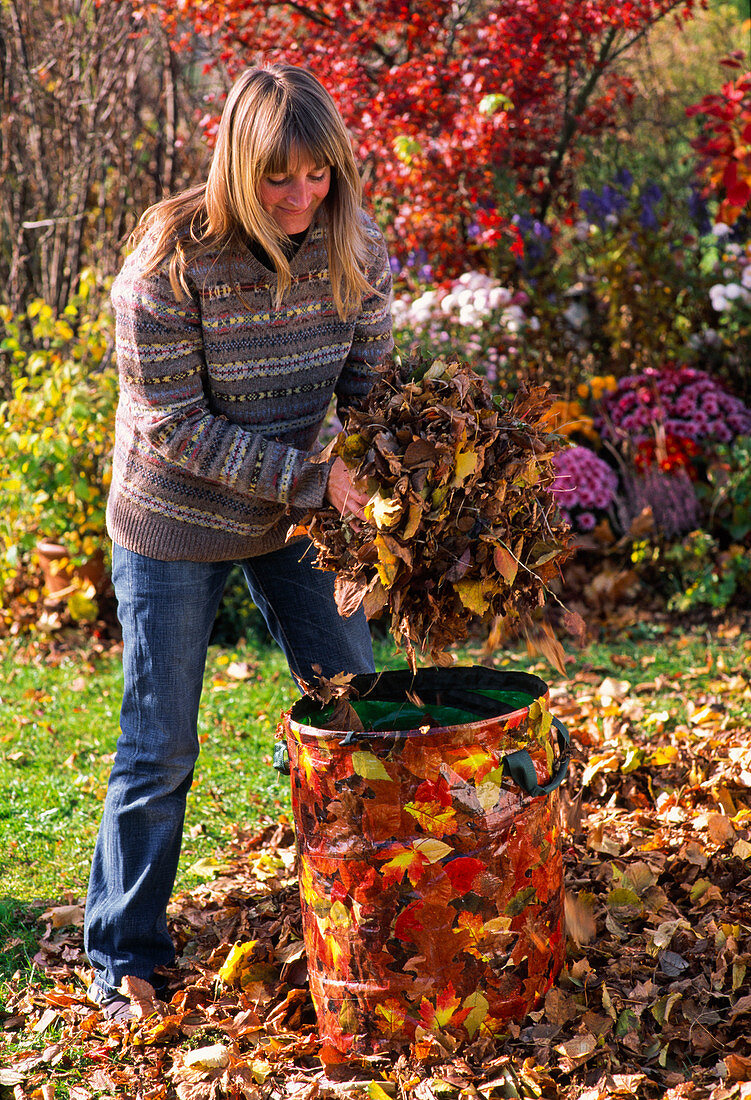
(429, 856)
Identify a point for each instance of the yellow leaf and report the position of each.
(478, 1006)
(369, 766)
(353, 449)
(600, 762)
(208, 867)
(413, 520)
(376, 1091)
(213, 1057)
(666, 754)
(488, 794)
(339, 915)
(238, 960)
(471, 594)
(705, 716)
(384, 512)
(433, 850)
(82, 608)
(466, 464)
(387, 564)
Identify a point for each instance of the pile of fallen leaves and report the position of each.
(654, 1002)
(462, 528)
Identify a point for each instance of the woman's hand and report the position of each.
(343, 493)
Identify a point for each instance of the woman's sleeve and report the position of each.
(372, 341)
(163, 373)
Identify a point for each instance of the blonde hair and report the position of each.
(274, 118)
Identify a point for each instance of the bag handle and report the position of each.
(520, 767)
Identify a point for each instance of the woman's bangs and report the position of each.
(293, 147)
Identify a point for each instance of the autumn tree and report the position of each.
(91, 115)
(462, 112)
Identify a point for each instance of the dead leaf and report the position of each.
(142, 997)
(62, 915)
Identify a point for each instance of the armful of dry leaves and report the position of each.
(462, 527)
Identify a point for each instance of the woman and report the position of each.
(246, 305)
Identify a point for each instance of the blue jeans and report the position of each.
(167, 610)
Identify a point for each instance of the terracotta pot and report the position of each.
(59, 578)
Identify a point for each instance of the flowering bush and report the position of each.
(678, 407)
(569, 418)
(725, 344)
(475, 313)
(633, 256)
(56, 432)
(584, 487)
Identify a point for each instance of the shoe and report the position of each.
(115, 1006)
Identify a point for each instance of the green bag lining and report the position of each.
(381, 715)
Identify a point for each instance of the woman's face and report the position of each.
(292, 199)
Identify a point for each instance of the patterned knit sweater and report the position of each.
(222, 398)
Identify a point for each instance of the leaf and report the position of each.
(505, 563)
(472, 763)
(208, 867)
(387, 564)
(666, 754)
(61, 916)
(377, 1092)
(384, 512)
(622, 895)
(720, 829)
(479, 1007)
(672, 963)
(463, 871)
(470, 592)
(438, 1014)
(433, 817)
(409, 861)
(433, 850)
(465, 465)
(215, 1056)
(521, 900)
(239, 959)
(369, 766)
(348, 593)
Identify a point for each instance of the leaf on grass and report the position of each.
(62, 915)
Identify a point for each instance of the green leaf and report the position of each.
(521, 901)
(626, 1022)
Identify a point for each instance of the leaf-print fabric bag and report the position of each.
(429, 855)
